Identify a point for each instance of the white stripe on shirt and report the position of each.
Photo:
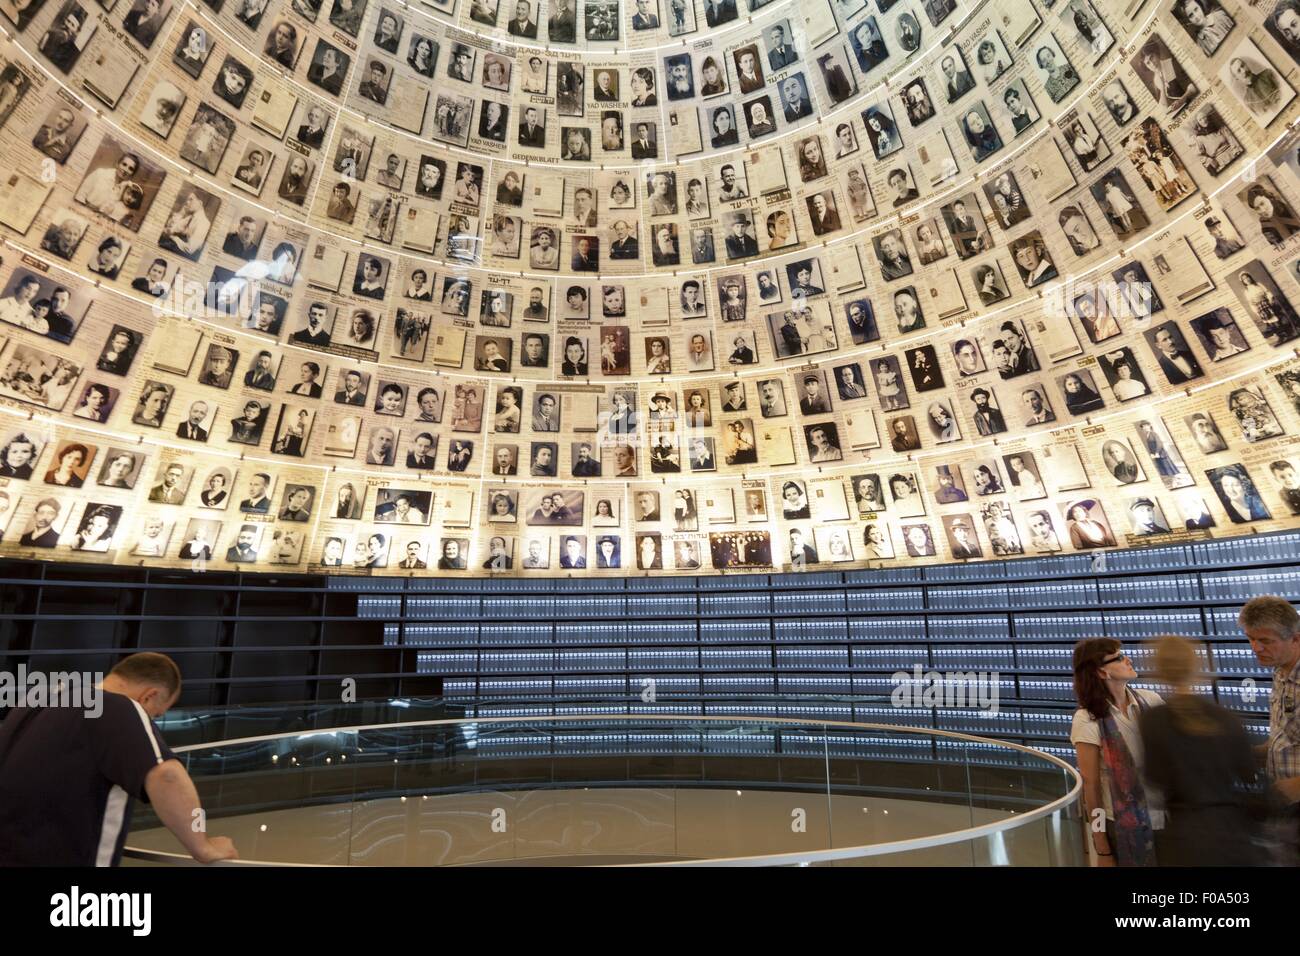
(115, 806)
(114, 818)
(148, 731)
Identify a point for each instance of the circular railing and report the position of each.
(642, 789)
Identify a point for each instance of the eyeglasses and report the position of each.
(1118, 657)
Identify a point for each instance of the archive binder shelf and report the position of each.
(602, 790)
(828, 645)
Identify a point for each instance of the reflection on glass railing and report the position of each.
(600, 788)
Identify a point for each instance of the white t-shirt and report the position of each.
(1086, 729)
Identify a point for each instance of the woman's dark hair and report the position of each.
(100, 511)
(1089, 689)
(367, 321)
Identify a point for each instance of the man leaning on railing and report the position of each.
(70, 772)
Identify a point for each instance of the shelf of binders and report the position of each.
(431, 615)
(782, 634)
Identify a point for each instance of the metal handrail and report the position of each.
(773, 859)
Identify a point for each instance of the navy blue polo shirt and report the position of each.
(68, 782)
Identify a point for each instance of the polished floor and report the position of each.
(610, 826)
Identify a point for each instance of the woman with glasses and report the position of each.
(1110, 757)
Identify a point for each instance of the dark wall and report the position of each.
(823, 644)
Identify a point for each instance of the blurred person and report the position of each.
(1197, 753)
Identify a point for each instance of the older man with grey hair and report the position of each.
(1272, 626)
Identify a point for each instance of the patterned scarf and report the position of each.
(1134, 842)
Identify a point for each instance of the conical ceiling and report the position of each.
(668, 286)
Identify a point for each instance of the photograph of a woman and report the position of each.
(1087, 525)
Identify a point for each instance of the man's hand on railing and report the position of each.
(216, 848)
(174, 799)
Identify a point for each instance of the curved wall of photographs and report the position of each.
(666, 286)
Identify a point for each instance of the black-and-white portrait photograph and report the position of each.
(452, 118)
(1163, 76)
(758, 115)
(1211, 140)
(1219, 335)
(1238, 494)
(1158, 165)
(1265, 303)
(1055, 71)
(1124, 375)
(1283, 25)
(982, 137)
(892, 254)
(68, 36)
(1019, 107)
(1255, 84)
(207, 138)
(570, 88)
(1205, 432)
(162, 107)
(120, 184)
